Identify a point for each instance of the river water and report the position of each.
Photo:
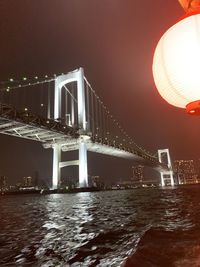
(140, 228)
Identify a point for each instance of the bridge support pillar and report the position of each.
(81, 162)
(83, 169)
(61, 81)
(56, 167)
(166, 176)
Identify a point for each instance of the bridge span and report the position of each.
(88, 126)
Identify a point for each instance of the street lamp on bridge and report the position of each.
(176, 61)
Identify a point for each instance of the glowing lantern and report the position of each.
(176, 62)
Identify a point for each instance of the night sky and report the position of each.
(114, 40)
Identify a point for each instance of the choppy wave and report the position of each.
(140, 227)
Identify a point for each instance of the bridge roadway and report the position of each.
(26, 125)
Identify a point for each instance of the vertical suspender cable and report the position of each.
(87, 107)
(75, 104)
(41, 100)
(11, 97)
(107, 126)
(24, 104)
(92, 114)
(100, 118)
(103, 121)
(106, 123)
(16, 93)
(96, 116)
(66, 115)
(72, 106)
(49, 101)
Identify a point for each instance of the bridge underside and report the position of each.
(23, 124)
(73, 144)
(31, 132)
(49, 132)
(104, 149)
(48, 137)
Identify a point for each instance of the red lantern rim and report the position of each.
(193, 108)
(189, 14)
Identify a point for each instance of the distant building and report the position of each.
(185, 171)
(138, 173)
(36, 179)
(122, 184)
(68, 183)
(27, 181)
(3, 183)
(96, 181)
(197, 168)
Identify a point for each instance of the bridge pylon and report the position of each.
(166, 176)
(60, 82)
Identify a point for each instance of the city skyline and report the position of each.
(114, 42)
(184, 172)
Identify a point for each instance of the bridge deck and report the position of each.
(29, 126)
(26, 125)
(114, 151)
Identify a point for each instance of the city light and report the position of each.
(176, 62)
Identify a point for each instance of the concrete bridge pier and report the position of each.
(83, 166)
(166, 176)
(78, 77)
(81, 163)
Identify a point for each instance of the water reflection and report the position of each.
(63, 227)
(100, 229)
(175, 217)
(21, 229)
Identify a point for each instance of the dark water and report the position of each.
(140, 227)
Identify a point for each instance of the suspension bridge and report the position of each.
(64, 113)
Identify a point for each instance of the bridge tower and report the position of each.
(164, 157)
(60, 82)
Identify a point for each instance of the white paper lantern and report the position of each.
(176, 64)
